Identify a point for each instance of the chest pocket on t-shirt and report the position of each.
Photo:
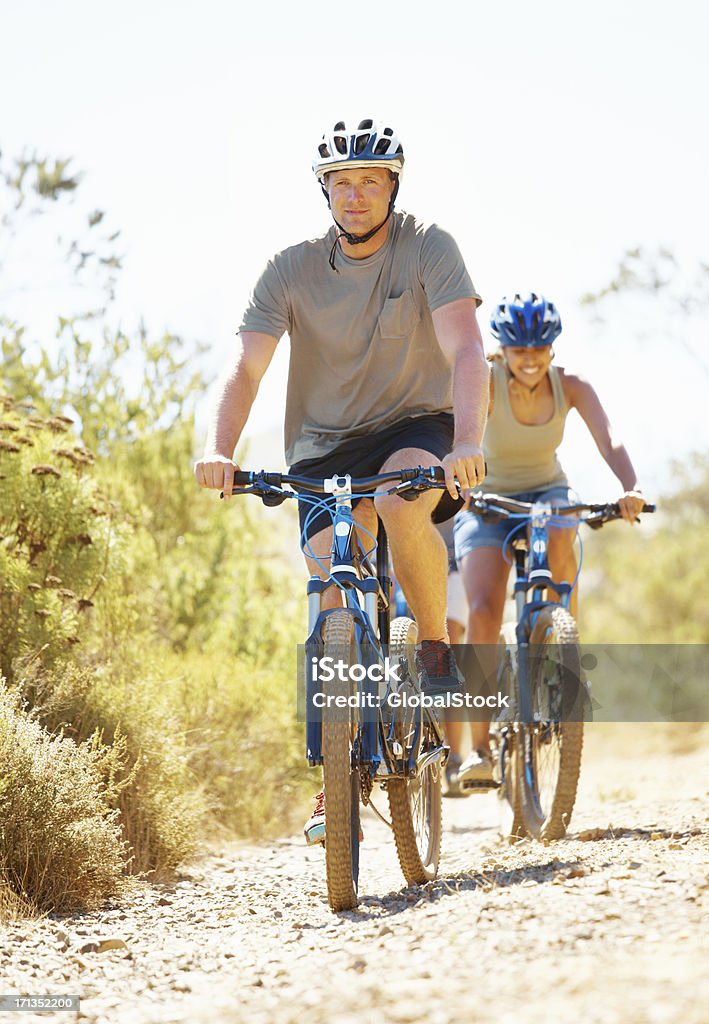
(399, 317)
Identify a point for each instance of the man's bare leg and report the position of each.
(417, 548)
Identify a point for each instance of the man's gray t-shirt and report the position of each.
(364, 353)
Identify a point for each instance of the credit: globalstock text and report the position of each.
(406, 699)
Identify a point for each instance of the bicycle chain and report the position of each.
(365, 785)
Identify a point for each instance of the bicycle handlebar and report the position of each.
(269, 486)
(431, 477)
(497, 506)
(489, 506)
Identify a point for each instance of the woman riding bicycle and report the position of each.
(530, 399)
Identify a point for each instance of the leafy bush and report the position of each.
(129, 704)
(133, 611)
(56, 535)
(651, 584)
(60, 846)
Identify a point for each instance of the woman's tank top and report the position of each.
(521, 457)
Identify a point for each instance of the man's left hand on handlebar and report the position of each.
(467, 464)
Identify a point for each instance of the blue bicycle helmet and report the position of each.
(525, 321)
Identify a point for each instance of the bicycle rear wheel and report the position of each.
(340, 777)
(549, 749)
(415, 803)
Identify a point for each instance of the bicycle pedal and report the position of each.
(480, 786)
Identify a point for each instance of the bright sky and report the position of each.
(547, 137)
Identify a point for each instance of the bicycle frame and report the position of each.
(532, 584)
(370, 610)
(367, 597)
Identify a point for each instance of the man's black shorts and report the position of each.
(365, 456)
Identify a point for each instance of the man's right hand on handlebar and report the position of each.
(216, 472)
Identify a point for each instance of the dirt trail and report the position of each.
(606, 926)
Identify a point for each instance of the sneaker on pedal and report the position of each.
(314, 830)
(476, 771)
(315, 825)
(437, 668)
(452, 782)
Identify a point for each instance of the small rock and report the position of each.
(106, 944)
(577, 871)
(590, 834)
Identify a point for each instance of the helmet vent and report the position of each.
(341, 145)
(381, 147)
(339, 127)
(361, 143)
(323, 150)
(365, 125)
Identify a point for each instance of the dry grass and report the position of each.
(639, 739)
(60, 845)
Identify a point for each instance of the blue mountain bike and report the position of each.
(540, 739)
(366, 724)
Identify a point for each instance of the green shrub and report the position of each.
(57, 538)
(246, 747)
(60, 846)
(650, 584)
(130, 705)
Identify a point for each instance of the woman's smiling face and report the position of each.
(528, 365)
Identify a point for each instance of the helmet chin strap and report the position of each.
(358, 239)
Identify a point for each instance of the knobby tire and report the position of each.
(415, 803)
(549, 752)
(340, 781)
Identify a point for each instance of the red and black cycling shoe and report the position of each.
(437, 668)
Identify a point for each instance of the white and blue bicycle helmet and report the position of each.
(525, 321)
(370, 144)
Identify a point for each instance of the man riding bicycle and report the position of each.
(387, 371)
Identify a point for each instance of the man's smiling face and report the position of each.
(359, 197)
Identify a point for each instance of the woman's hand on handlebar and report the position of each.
(631, 505)
(216, 472)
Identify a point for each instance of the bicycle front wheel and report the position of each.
(504, 740)
(340, 776)
(549, 749)
(415, 803)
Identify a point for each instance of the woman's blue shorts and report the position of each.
(471, 532)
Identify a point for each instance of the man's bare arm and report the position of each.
(239, 388)
(459, 336)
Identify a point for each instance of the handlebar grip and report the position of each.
(242, 478)
(649, 508)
